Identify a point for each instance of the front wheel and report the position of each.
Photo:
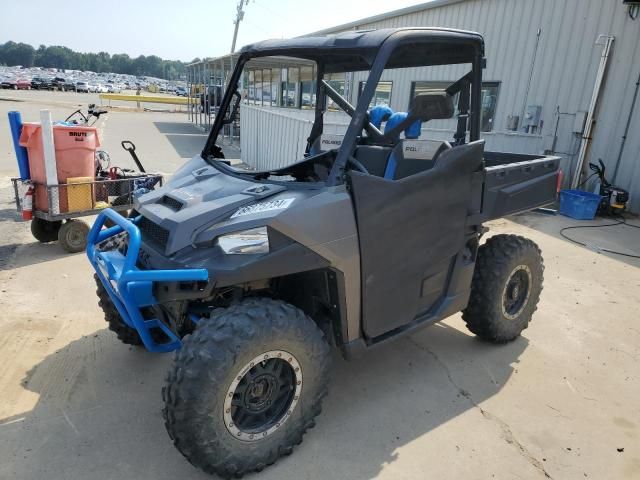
(506, 287)
(245, 386)
(73, 235)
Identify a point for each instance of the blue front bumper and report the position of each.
(130, 288)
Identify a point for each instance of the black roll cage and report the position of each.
(469, 87)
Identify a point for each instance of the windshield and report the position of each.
(292, 118)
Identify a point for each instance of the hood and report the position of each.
(200, 196)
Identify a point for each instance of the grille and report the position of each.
(153, 231)
(171, 203)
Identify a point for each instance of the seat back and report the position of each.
(374, 158)
(413, 157)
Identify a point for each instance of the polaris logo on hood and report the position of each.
(280, 204)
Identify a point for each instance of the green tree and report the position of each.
(54, 56)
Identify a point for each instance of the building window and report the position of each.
(307, 87)
(275, 80)
(488, 102)
(266, 87)
(337, 82)
(289, 87)
(258, 78)
(252, 88)
(382, 95)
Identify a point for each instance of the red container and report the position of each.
(75, 157)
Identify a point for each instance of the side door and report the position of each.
(410, 231)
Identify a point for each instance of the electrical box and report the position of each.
(579, 122)
(532, 116)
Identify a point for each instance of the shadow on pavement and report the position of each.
(98, 414)
(186, 139)
(17, 255)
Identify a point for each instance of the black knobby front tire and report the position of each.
(45, 231)
(212, 358)
(506, 287)
(125, 333)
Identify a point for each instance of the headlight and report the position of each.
(254, 240)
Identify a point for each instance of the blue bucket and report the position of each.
(578, 204)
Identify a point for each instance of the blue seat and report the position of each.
(379, 114)
(410, 133)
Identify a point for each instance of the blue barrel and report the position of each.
(15, 124)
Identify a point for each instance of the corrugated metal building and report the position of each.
(542, 65)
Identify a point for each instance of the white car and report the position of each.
(101, 89)
(112, 88)
(83, 87)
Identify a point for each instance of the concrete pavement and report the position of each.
(561, 402)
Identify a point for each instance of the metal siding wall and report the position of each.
(563, 76)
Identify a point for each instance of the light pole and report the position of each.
(239, 17)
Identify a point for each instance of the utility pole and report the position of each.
(239, 17)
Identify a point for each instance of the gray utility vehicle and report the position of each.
(253, 277)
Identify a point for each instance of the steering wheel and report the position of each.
(357, 165)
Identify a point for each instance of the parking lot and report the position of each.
(561, 402)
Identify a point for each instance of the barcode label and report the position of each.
(264, 207)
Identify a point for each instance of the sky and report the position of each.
(175, 30)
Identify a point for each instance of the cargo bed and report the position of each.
(517, 182)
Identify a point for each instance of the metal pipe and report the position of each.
(626, 130)
(50, 166)
(588, 130)
(533, 63)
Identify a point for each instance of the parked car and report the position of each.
(82, 87)
(70, 86)
(23, 84)
(181, 91)
(19, 84)
(112, 88)
(41, 83)
(101, 88)
(59, 83)
(11, 83)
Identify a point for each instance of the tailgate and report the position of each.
(520, 185)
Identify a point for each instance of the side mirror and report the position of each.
(433, 105)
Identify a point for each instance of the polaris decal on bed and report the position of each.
(264, 207)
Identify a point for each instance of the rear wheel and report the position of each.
(73, 235)
(506, 287)
(245, 386)
(45, 231)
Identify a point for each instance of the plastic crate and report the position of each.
(578, 204)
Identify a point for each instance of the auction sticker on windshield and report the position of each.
(264, 207)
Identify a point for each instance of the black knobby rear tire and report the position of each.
(506, 287)
(73, 235)
(45, 231)
(125, 333)
(216, 355)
